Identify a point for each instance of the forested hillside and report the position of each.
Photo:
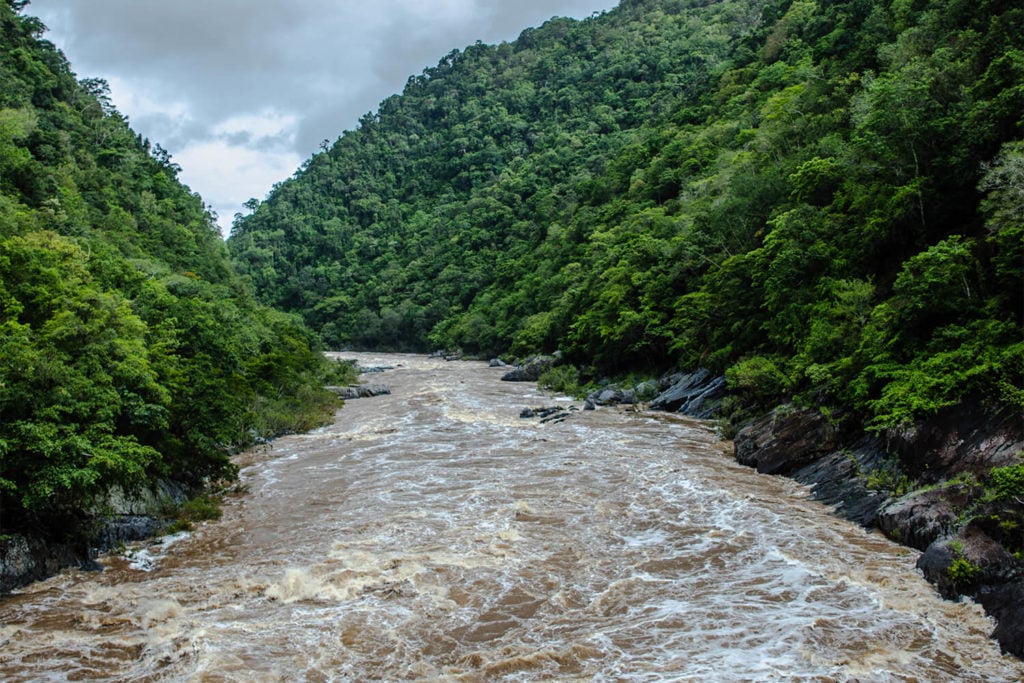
(820, 199)
(129, 349)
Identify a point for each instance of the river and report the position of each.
(433, 534)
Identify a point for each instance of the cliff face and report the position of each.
(940, 498)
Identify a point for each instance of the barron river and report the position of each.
(435, 535)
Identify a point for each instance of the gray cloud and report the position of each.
(255, 85)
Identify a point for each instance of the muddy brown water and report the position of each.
(434, 535)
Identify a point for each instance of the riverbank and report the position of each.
(434, 534)
(25, 558)
(947, 486)
(951, 487)
(942, 503)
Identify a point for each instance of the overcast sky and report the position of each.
(240, 92)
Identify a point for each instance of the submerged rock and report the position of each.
(372, 369)
(548, 414)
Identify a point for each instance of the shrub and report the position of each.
(1007, 482)
(961, 571)
(202, 508)
(889, 478)
(563, 379)
(759, 377)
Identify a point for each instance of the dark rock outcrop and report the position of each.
(966, 438)
(24, 560)
(615, 394)
(785, 440)
(837, 479)
(985, 562)
(612, 396)
(548, 414)
(127, 528)
(696, 394)
(922, 517)
(530, 370)
(1002, 602)
(972, 561)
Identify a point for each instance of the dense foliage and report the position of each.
(820, 198)
(129, 349)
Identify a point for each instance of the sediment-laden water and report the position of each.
(434, 535)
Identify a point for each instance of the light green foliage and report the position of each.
(889, 478)
(561, 379)
(1008, 483)
(202, 508)
(758, 377)
(961, 571)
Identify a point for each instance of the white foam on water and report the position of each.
(147, 558)
(435, 535)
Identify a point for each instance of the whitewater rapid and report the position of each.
(432, 534)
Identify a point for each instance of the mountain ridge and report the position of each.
(819, 201)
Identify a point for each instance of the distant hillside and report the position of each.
(820, 199)
(129, 349)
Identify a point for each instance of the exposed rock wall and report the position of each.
(697, 394)
(24, 559)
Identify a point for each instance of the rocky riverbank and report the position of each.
(933, 486)
(951, 486)
(27, 558)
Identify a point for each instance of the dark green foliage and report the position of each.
(129, 349)
(822, 200)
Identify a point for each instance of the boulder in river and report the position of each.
(360, 391)
(616, 394)
(548, 413)
(530, 370)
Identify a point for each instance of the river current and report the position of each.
(435, 535)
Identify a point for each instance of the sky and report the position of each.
(241, 92)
